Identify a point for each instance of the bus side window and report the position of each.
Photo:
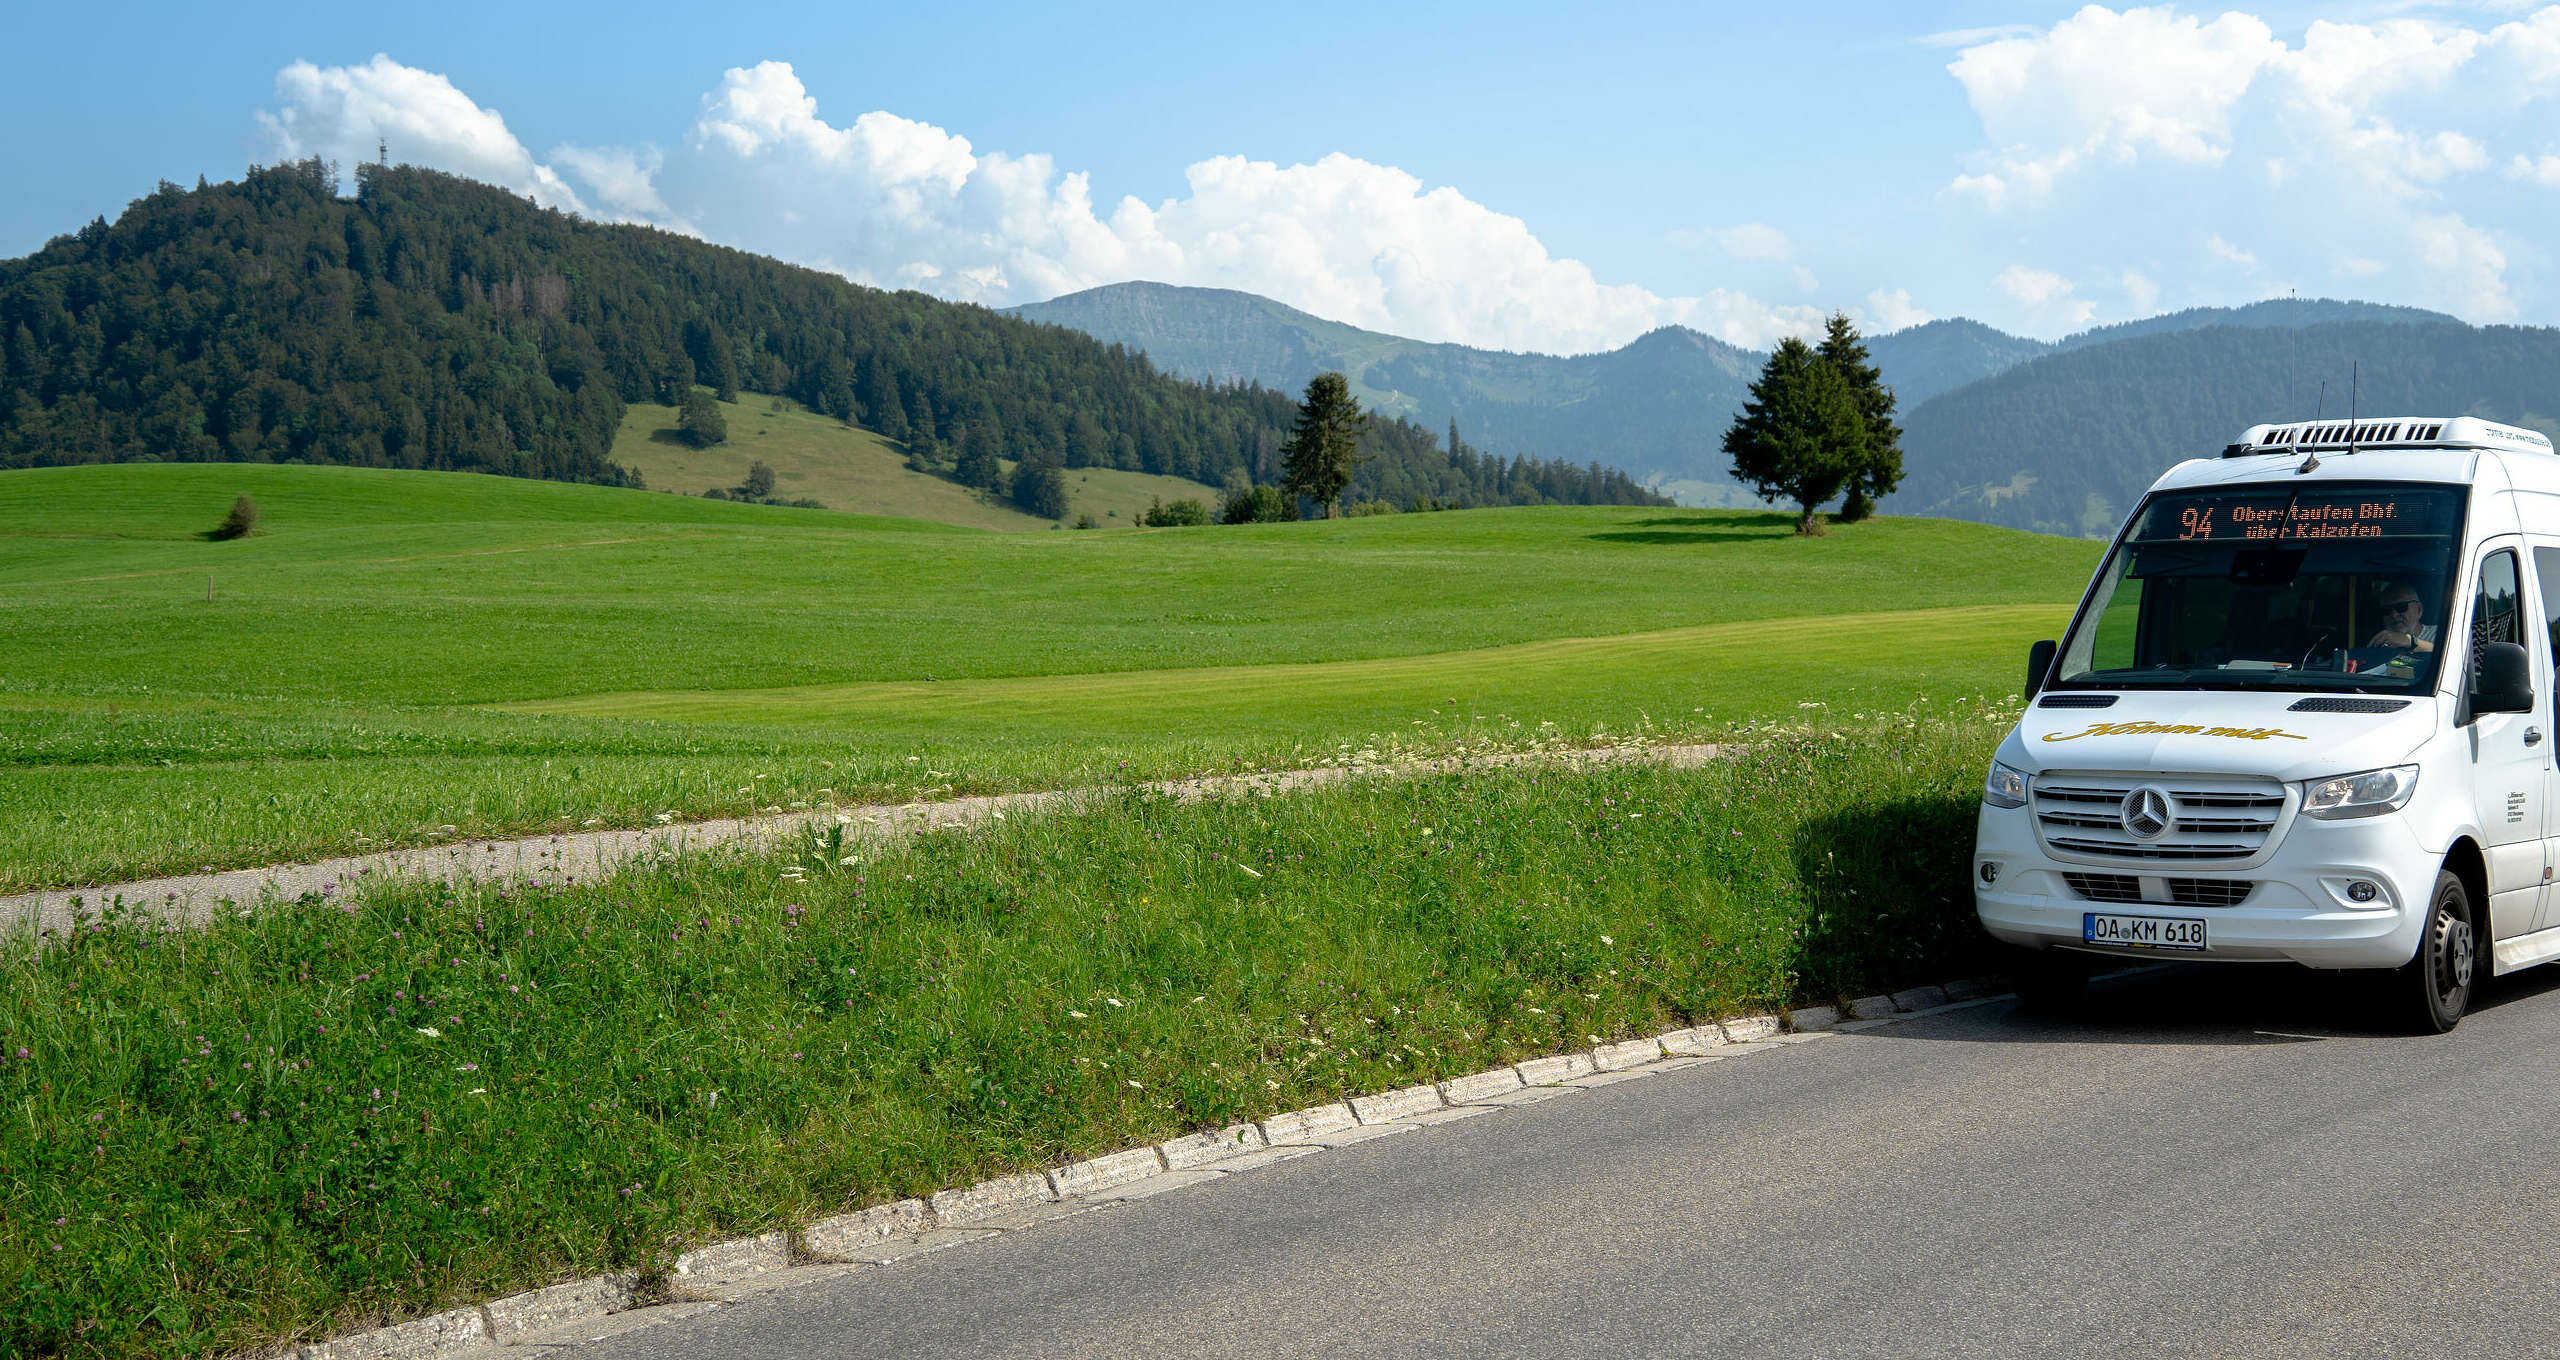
(2494, 609)
(2546, 565)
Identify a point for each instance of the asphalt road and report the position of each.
(2209, 1162)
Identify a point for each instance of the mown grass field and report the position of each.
(394, 654)
(816, 457)
(336, 1112)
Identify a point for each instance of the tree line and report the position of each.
(433, 322)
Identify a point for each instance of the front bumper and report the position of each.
(2297, 911)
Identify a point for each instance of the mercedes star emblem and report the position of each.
(2148, 813)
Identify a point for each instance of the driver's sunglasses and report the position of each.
(2397, 605)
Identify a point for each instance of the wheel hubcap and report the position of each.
(2453, 960)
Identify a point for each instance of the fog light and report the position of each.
(2362, 891)
(1990, 872)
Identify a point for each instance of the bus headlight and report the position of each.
(2369, 793)
(2005, 787)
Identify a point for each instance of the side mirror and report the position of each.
(2040, 661)
(2501, 679)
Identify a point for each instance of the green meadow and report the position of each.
(400, 657)
(296, 1123)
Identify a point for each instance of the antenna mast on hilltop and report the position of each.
(382, 152)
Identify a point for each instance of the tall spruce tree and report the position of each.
(1800, 437)
(1324, 448)
(1881, 472)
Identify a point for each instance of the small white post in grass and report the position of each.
(208, 587)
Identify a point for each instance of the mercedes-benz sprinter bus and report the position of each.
(2305, 713)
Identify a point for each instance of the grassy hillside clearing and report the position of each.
(817, 457)
(339, 692)
(335, 1112)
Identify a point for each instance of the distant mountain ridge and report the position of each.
(2065, 442)
(1657, 407)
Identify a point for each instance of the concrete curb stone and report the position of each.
(1304, 1126)
(1216, 1145)
(1365, 1132)
(576, 1301)
(745, 1256)
(1527, 1095)
(1921, 998)
(1151, 1186)
(1694, 1042)
(1560, 1068)
(1468, 1090)
(830, 1238)
(1260, 1157)
(1874, 1007)
(1102, 1173)
(435, 1334)
(1621, 1056)
(1750, 1029)
(1812, 1018)
(953, 1208)
(1397, 1104)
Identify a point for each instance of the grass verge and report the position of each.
(339, 1112)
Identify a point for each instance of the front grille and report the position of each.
(2210, 892)
(2219, 817)
(2106, 887)
(2077, 701)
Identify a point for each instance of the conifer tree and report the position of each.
(1324, 448)
(1800, 437)
(1882, 470)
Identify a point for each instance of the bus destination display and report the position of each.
(2294, 519)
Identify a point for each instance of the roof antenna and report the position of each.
(2311, 461)
(2355, 388)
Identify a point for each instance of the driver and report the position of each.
(2404, 624)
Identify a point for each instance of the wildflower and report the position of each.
(1606, 940)
(468, 1067)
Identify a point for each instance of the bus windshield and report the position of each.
(2327, 586)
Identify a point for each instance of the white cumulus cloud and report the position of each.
(2045, 295)
(2355, 139)
(349, 114)
(1891, 310)
(895, 202)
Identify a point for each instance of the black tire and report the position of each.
(2429, 993)
(2051, 981)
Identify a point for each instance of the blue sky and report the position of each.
(1517, 176)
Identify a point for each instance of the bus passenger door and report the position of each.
(2510, 754)
(2546, 571)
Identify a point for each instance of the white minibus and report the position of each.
(2305, 713)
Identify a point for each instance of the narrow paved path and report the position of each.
(2211, 1163)
(193, 898)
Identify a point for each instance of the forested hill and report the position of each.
(432, 322)
(2065, 443)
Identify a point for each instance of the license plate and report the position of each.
(2141, 932)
